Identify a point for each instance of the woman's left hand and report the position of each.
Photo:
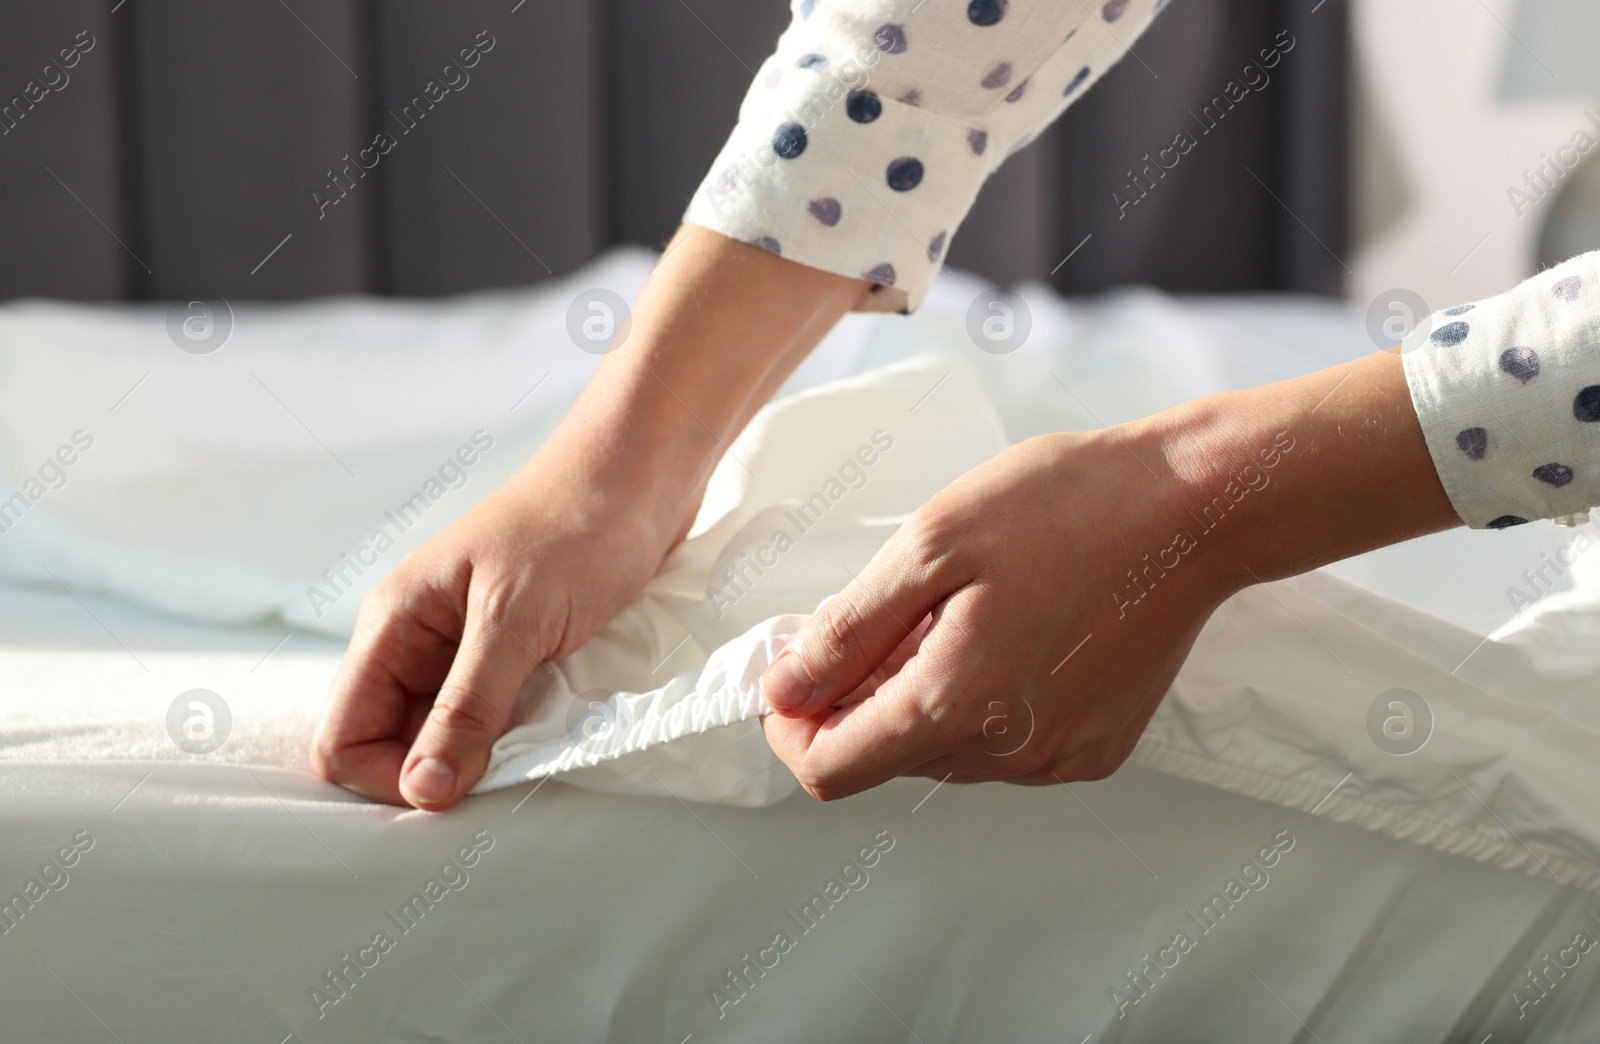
(1025, 623)
(996, 607)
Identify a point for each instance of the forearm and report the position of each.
(716, 330)
(1276, 480)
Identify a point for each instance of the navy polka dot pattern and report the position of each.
(986, 12)
(863, 106)
(1586, 407)
(789, 141)
(1506, 402)
(1521, 363)
(1557, 475)
(826, 210)
(767, 243)
(904, 174)
(997, 77)
(928, 97)
(1474, 442)
(882, 274)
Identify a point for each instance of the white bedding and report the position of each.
(1016, 911)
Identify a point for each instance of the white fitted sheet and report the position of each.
(220, 889)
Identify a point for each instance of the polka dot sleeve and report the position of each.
(865, 138)
(1508, 393)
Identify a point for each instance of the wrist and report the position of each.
(1281, 479)
(714, 332)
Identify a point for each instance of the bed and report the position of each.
(1227, 884)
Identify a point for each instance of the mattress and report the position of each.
(154, 891)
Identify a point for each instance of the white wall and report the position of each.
(1436, 151)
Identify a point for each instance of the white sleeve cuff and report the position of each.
(865, 138)
(1508, 394)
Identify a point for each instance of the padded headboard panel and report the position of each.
(277, 149)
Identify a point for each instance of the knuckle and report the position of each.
(498, 601)
(930, 542)
(843, 625)
(466, 712)
(951, 723)
(1033, 757)
(384, 600)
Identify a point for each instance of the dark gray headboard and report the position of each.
(164, 148)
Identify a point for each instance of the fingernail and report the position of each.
(430, 781)
(788, 686)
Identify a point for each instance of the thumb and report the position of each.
(470, 713)
(853, 633)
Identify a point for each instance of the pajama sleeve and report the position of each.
(864, 139)
(1508, 393)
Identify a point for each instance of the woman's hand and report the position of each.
(1025, 623)
(445, 641)
(443, 644)
(1028, 669)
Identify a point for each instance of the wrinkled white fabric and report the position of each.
(724, 598)
(1273, 703)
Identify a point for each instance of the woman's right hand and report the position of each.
(445, 641)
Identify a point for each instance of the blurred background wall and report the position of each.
(1455, 104)
(193, 148)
